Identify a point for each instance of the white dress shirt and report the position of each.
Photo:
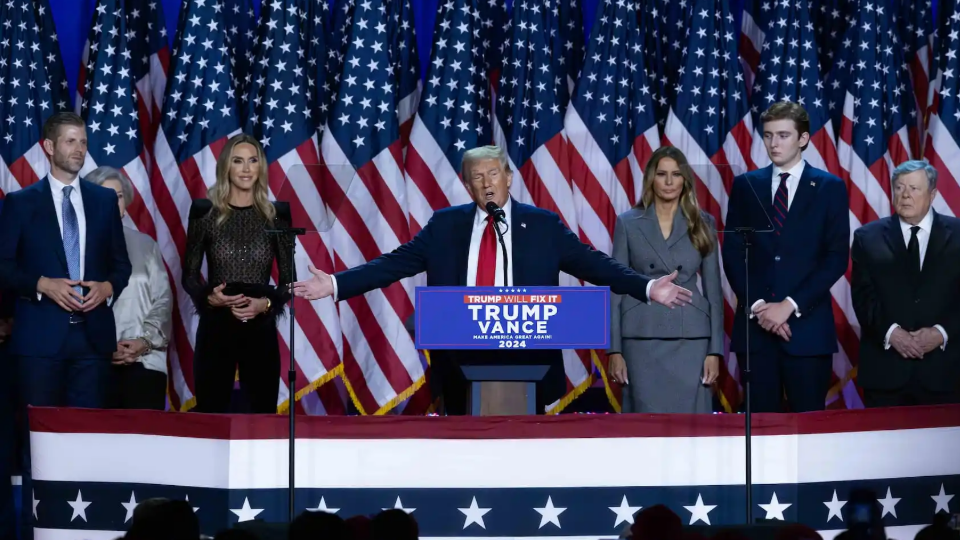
(56, 191)
(792, 182)
(923, 238)
(473, 255)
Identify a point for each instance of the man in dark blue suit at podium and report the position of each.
(459, 247)
(803, 252)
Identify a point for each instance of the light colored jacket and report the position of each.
(639, 244)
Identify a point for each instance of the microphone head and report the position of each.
(492, 207)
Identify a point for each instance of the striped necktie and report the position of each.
(780, 204)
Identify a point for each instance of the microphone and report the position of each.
(500, 216)
(497, 212)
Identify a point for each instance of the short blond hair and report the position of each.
(481, 153)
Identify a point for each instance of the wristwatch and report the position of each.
(268, 306)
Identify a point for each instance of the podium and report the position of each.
(510, 318)
(503, 390)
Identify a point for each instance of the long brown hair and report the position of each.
(700, 234)
(219, 194)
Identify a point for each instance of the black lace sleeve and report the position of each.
(285, 264)
(198, 231)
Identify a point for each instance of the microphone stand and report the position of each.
(503, 248)
(291, 233)
(745, 233)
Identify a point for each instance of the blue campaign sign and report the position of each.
(513, 317)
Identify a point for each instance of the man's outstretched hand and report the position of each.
(665, 291)
(315, 288)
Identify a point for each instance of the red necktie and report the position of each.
(487, 261)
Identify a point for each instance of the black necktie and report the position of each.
(913, 248)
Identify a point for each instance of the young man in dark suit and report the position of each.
(62, 253)
(906, 292)
(792, 267)
(458, 247)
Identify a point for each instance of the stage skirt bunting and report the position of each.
(494, 477)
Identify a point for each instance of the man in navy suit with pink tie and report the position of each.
(459, 247)
(791, 325)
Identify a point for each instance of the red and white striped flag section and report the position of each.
(612, 131)
(282, 113)
(877, 111)
(916, 32)
(109, 106)
(199, 114)
(150, 50)
(710, 122)
(32, 87)
(380, 363)
(942, 148)
(753, 24)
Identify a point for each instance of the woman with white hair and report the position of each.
(143, 313)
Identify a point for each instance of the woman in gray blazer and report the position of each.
(668, 358)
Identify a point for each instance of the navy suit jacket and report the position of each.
(31, 247)
(809, 256)
(542, 248)
(6, 297)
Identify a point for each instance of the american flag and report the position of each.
(241, 39)
(452, 115)
(753, 24)
(380, 362)
(942, 147)
(711, 123)
(50, 45)
(109, 108)
(282, 113)
(916, 32)
(199, 114)
(789, 70)
(831, 19)
(569, 39)
(32, 87)
(877, 111)
(610, 124)
(150, 50)
(405, 63)
(516, 480)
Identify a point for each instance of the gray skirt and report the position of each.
(665, 376)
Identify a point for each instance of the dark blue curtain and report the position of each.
(73, 22)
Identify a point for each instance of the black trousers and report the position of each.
(8, 445)
(136, 387)
(804, 379)
(226, 345)
(77, 377)
(913, 393)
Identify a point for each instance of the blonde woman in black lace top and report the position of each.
(237, 305)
